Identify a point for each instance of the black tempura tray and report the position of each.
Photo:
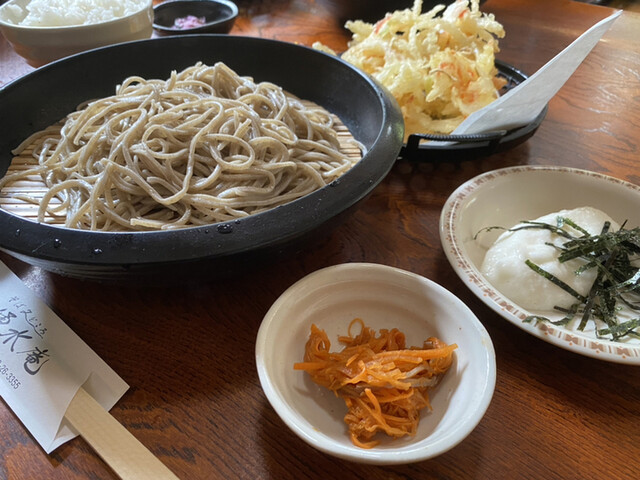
(469, 147)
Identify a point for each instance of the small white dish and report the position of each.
(507, 196)
(384, 297)
(40, 45)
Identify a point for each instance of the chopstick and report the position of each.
(119, 449)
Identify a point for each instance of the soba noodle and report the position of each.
(202, 147)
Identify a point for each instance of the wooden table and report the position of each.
(554, 414)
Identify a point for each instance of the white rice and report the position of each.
(56, 13)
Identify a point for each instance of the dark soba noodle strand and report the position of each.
(203, 146)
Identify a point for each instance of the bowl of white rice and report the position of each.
(42, 31)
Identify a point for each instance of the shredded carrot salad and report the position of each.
(383, 383)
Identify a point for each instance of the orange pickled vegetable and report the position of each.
(383, 383)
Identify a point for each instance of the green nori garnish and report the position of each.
(622, 329)
(617, 280)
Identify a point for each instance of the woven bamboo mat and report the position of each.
(32, 186)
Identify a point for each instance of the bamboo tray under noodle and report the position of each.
(362, 108)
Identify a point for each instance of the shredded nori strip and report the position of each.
(552, 278)
(622, 329)
(617, 280)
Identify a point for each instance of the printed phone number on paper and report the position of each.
(5, 372)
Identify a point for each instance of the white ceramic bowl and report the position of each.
(507, 196)
(41, 45)
(384, 297)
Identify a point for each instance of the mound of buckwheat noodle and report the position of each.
(202, 147)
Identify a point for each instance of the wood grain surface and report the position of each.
(188, 351)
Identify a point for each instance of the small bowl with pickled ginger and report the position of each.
(390, 313)
(180, 17)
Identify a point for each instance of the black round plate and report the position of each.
(51, 92)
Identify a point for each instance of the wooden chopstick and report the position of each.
(128, 458)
